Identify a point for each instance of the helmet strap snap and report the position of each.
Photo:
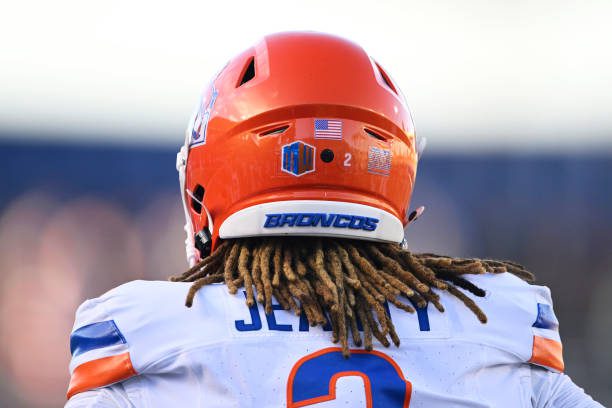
(203, 242)
(414, 215)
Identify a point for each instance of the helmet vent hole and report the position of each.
(374, 134)
(386, 78)
(275, 131)
(197, 199)
(248, 72)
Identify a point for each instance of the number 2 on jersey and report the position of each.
(313, 378)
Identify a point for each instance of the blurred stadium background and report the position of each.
(515, 99)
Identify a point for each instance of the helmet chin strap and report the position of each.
(421, 142)
(191, 249)
(210, 227)
(193, 254)
(181, 163)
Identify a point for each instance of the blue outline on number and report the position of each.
(313, 378)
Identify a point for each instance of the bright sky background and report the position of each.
(478, 74)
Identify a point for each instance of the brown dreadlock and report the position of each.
(348, 280)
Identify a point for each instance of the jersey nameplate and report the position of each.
(253, 321)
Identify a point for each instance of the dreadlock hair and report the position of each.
(344, 280)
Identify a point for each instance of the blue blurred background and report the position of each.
(515, 100)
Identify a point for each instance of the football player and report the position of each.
(296, 177)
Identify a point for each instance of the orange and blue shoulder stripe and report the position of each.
(547, 350)
(100, 357)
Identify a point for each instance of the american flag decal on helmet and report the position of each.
(328, 129)
(379, 161)
(298, 158)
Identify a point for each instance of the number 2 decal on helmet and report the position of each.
(313, 378)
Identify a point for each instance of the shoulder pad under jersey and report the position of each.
(124, 332)
(520, 320)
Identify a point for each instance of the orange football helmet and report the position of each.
(302, 134)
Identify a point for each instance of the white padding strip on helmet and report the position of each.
(314, 218)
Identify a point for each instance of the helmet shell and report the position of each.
(302, 134)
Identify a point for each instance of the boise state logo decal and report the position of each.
(298, 158)
(200, 124)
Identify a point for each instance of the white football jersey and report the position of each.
(221, 353)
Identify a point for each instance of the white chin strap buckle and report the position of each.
(181, 159)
